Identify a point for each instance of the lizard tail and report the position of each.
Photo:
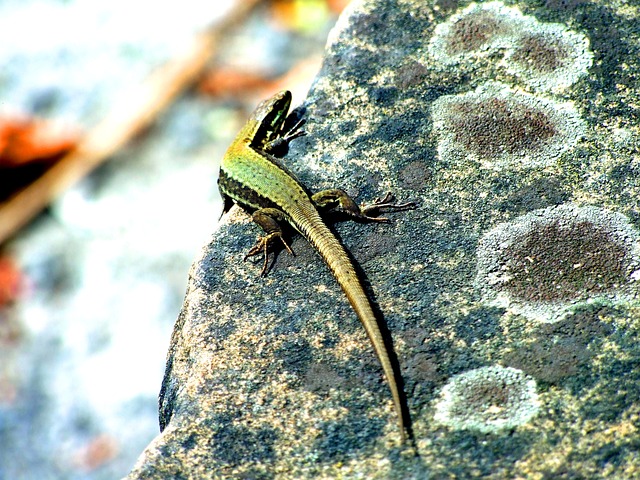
(334, 254)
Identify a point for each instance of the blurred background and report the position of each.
(113, 118)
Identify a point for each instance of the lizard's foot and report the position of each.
(295, 131)
(279, 146)
(341, 202)
(262, 245)
(387, 203)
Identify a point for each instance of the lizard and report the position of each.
(253, 176)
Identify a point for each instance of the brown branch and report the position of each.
(120, 126)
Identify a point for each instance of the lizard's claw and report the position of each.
(262, 245)
(295, 131)
(279, 146)
(385, 203)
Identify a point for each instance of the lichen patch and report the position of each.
(476, 30)
(488, 399)
(546, 262)
(501, 127)
(547, 56)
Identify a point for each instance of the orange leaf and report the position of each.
(10, 281)
(336, 6)
(25, 140)
(99, 451)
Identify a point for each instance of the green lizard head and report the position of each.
(269, 117)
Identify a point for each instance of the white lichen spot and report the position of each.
(479, 29)
(547, 56)
(488, 399)
(501, 127)
(549, 261)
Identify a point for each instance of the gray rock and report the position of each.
(519, 351)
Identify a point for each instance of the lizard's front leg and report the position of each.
(279, 146)
(339, 200)
(269, 220)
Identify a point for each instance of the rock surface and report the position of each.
(511, 294)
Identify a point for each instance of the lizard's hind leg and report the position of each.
(269, 220)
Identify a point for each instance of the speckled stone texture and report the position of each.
(511, 294)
